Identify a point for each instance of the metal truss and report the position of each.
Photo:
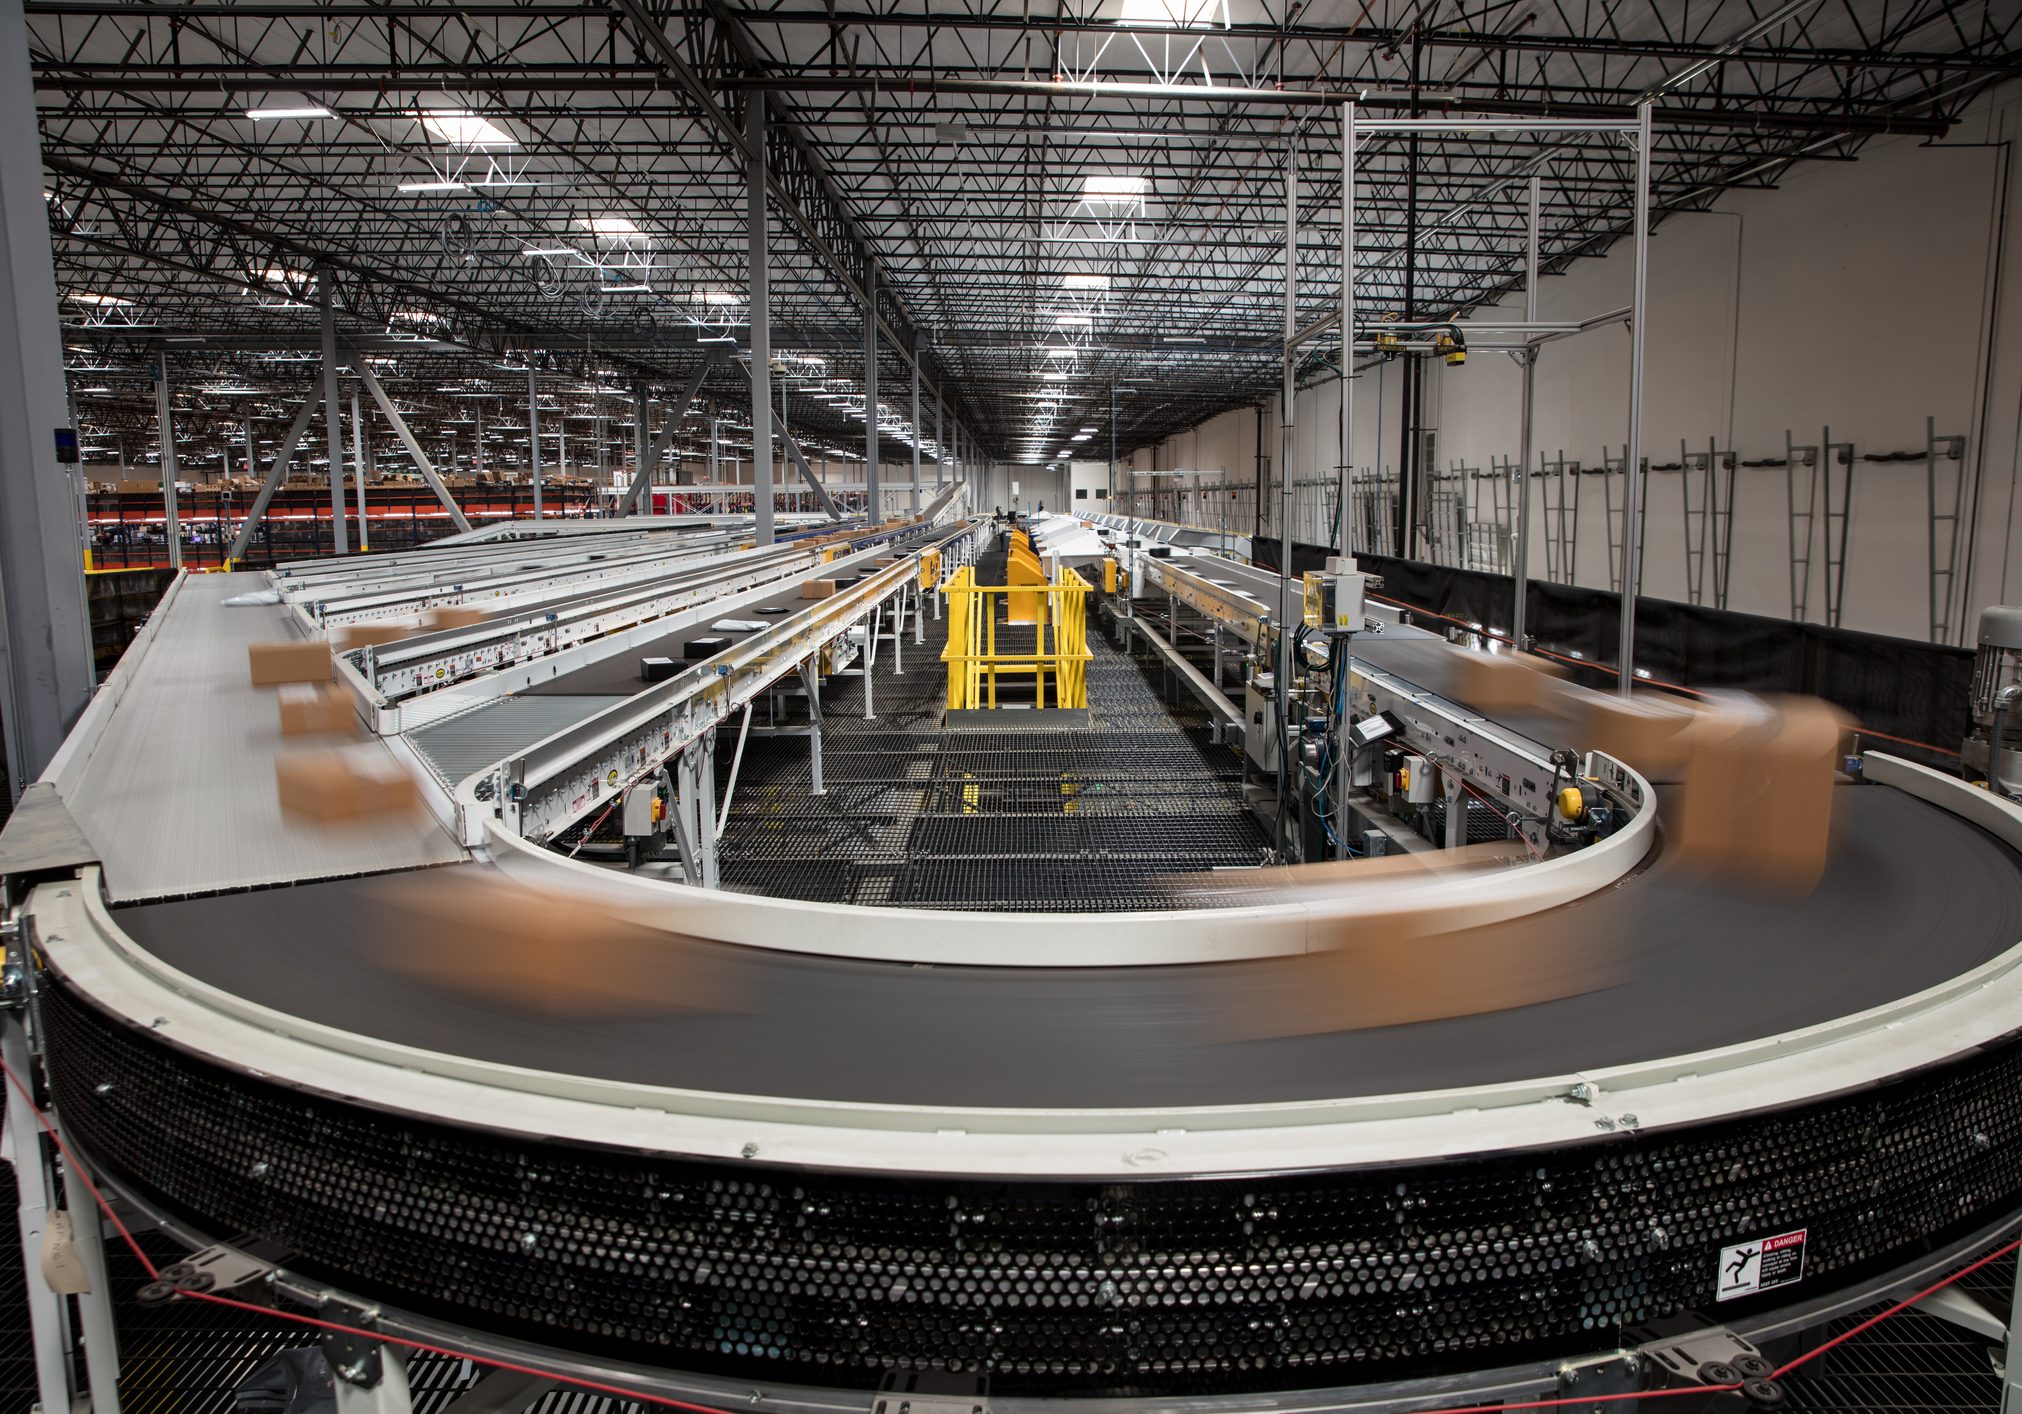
(1048, 207)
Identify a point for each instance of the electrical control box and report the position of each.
(1334, 596)
(1260, 722)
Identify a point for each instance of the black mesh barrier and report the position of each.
(1915, 691)
(1155, 1287)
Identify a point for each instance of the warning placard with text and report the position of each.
(1750, 1267)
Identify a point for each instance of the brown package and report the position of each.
(1647, 731)
(352, 636)
(452, 616)
(552, 954)
(316, 709)
(817, 589)
(334, 785)
(1506, 682)
(1757, 807)
(289, 660)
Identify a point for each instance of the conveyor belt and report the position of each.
(178, 795)
(1914, 897)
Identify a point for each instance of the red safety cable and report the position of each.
(1903, 1305)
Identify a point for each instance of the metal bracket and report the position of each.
(1605, 1379)
(932, 1392)
(1683, 1353)
(214, 1269)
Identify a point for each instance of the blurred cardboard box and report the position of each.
(1646, 731)
(353, 636)
(452, 616)
(817, 589)
(289, 660)
(1507, 682)
(1758, 792)
(316, 709)
(341, 784)
(476, 933)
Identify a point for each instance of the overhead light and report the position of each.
(1089, 430)
(718, 297)
(1085, 282)
(611, 225)
(462, 128)
(413, 316)
(1181, 339)
(1074, 321)
(551, 251)
(1057, 377)
(624, 289)
(261, 115)
(93, 297)
(434, 186)
(1176, 14)
(1081, 436)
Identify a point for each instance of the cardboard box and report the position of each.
(452, 616)
(1757, 802)
(316, 709)
(134, 487)
(817, 589)
(1506, 682)
(1647, 731)
(354, 636)
(341, 784)
(289, 660)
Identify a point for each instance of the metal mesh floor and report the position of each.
(1096, 819)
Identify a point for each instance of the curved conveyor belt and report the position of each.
(1914, 897)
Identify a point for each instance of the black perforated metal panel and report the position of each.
(1146, 1287)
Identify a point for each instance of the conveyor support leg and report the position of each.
(810, 675)
(2011, 1372)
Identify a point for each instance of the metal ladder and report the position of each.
(1803, 520)
(1945, 571)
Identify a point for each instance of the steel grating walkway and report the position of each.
(1030, 818)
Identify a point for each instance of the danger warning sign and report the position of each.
(1750, 1267)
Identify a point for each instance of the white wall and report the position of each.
(1860, 296)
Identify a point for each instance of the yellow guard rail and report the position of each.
(1059, 641)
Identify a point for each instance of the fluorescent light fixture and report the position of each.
(611, 225)
(462, 128)
(434, 186)
(1074, 321)
(554, 250)
(1181, 339)
(412, 316)
(93, 297)
(624, 289)
(1057, 377)
(1085, 282)
(1108, 185)
(261, 115)
(1089, 430)
(718, 297)
(1081, 436)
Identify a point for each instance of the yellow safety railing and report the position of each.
(1059, 651)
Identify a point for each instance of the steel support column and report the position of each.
(807, 474)
(916, 433)
(360, 462)
(874, 509)
(534, 436)
(284, 453)
(165, 431)
(761, 318)
(1632, 470)
(406, 436)
(1520, 567)
(650, 456)
(940, 442)
(1346, 537)
(1289, 394)
(333, 416)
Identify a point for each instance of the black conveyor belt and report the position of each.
(1914, 897)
